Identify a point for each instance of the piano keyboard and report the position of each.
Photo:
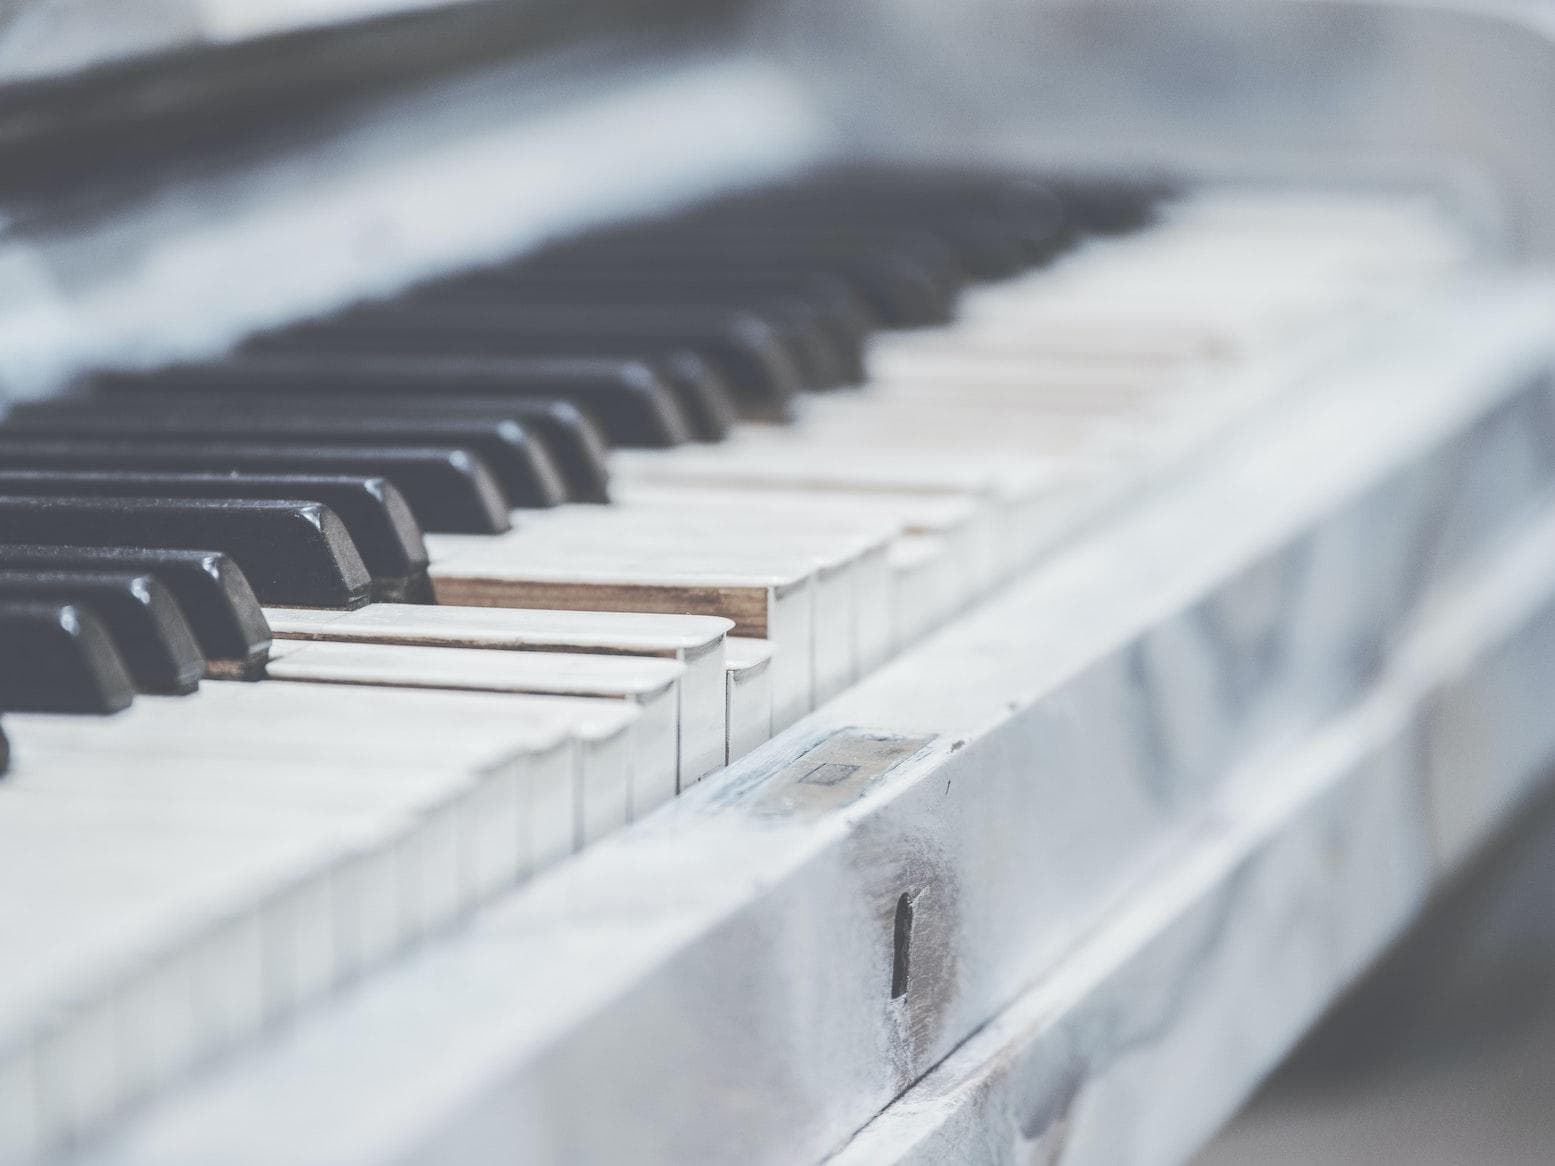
(479, 574)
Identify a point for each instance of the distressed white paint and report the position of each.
(718, 977)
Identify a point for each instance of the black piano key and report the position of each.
(5, 752)
(810, 345)
(700, 391)
(448, 489)
(214, 593)
(898, 291)
(768, 237)
(376, 515)
(572, 439)
(59, 658)
(747, 352)
(576, 446)
(141, 615)
(976, 253)
(995, 226)
(520, 462)
(1110, 207)
(627, 398)
(295, 554)
(838, 309)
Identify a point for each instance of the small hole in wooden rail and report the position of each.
(902, 945)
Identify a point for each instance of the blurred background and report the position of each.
(1446, 1053)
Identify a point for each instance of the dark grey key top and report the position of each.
(746, 351)
(733, 244)
(798, 326)
(448, 489)
(900, 293)
(376, 515)
(980, 245)
(1108, 207)
(626, 398)
(700, 391)
(141, 615)
(572, 439)
(295, 554)
(215, 595)
(58, 658)
(521, 464)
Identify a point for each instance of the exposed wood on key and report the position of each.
(767, 600)
(680, 556)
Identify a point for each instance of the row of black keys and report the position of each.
(144, 518)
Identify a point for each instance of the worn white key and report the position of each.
(846, 556)
(766, 602)
(695, 641)
(1006, 491)
(652, 686)
(959, 520)
(395, 729)
(223, 822)
(95, 885)
(749, 694)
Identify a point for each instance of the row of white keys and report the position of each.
(764, 600)
(724, 687)
(185, 872)
(1224, 271)
(1095, 363)
(846, 545)
(695, 642)
(992, 499)
(966, 528)
(651, 686)
(817, 591)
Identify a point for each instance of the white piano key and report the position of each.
(925, 587)
(78, 1069)
(463, 732)
(845, 554)
(797, 465)
(244, 803)
(958, 519)
(1004, 489)
(749, 694)
(765, 602)
(695, 641)
(121, 879)
(652, 686)
(158, 1037)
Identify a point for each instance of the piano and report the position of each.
(705, 582)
